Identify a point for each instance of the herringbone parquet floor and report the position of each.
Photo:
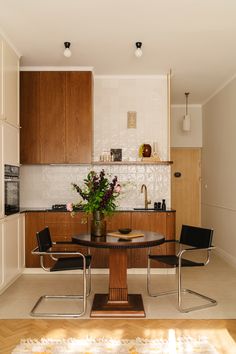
(221, 332)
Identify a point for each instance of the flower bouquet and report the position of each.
(98, 198)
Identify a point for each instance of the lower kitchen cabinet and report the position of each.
(62, 226)
(161, 222)
(11, 249)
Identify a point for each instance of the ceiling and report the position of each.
(193, 38)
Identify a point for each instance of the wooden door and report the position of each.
(186, 186)
(52, 116)
(78, 117)
(29, 118)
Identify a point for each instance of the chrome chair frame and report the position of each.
(180, 290)
(82, 296)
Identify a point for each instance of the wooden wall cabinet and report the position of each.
(29, 118)
(56, 117)
(63, 226)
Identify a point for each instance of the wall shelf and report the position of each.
(132, 163)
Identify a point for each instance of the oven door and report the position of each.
(12, 196)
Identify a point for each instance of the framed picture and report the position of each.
(117, 154)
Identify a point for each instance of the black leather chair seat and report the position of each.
(70, 263)
(174, 261)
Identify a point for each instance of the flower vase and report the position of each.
(98, 224)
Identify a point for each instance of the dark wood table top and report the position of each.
(149, 239)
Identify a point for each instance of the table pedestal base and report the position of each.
(103, 308)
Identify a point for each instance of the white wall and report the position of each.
(113, 97)
(42, 186)
(180, 138)
(219, 169)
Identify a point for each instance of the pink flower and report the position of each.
(117, 188)
(69, 206)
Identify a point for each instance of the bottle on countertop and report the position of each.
(163, 206)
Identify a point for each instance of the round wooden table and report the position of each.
(118, 303)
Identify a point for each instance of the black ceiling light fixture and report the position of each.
(67, 51)
(138, 51)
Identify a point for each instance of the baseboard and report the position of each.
(136, 271)
(231, 260)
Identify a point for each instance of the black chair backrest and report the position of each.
(44, 239)
(196, 236)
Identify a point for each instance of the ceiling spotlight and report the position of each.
(67, 51)
(138, 52)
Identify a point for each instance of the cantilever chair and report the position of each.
(77, 260)
(192, 240)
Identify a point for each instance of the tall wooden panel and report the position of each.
(29, 118)
(186, 189)
(52, 116)
(78, 117)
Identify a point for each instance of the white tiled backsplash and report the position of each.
(42, 186)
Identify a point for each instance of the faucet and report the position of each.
(146, 201)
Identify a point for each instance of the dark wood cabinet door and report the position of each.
(29, 118)
(148, 221)
(170, 232)
(119, 220)
(52, 116)
(62, 226)
(78, 117)
(33, 222)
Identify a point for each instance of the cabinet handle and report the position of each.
(177, 174)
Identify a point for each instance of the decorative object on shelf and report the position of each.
(98, 198)
(163, 205)
(186, 120)
(67, 51)
(106, 156)
(147, 150)
(157, 205)
(138, 51)
(116, 154)
(131, 119)
(155, 154)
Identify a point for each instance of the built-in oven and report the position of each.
(12, 189)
